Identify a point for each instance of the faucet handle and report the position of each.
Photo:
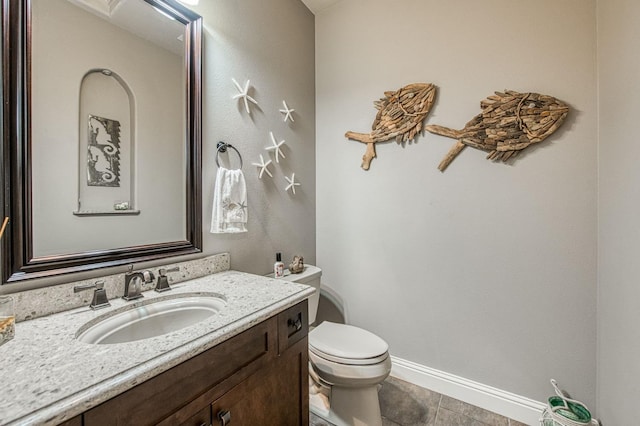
(163, 281)
(99, 295)
(163, 271)
(98, 285)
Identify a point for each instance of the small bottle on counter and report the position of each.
(278, 267)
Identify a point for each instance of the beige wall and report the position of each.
(270, 43)
(619, 234)
(486, 271)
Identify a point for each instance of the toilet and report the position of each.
(346, 365)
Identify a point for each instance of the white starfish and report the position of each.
(263, 167)
(276, 147)
(292, 183)
(244, 94)
(287, 112)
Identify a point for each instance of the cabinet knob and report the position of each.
(225, 417)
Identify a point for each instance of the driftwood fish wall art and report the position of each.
(509, 123)
(400, 116)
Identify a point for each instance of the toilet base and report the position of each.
(346, 406)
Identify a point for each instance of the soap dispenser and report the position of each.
(278, 267)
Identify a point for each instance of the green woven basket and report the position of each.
(564, 411)
(569, 410)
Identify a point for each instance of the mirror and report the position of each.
(101, 134)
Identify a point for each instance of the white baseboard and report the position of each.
(507, 404)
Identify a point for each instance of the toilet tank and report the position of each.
(311, 277)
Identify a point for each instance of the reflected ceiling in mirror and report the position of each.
(103, 146)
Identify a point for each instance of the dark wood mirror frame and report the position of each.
(18, 262)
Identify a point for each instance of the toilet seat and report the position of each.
(346, 344)
(349, 361)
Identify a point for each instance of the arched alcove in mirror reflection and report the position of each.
(107, 163)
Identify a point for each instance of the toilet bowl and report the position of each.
(346, 365)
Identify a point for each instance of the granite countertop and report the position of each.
(48, 376)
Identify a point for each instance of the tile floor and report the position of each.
(404, 404)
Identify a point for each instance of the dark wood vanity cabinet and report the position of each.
(76, 421)
(259, 377)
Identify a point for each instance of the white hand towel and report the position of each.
(229, 202)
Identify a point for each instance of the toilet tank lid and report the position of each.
(309, 273)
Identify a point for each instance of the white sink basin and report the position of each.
(151, 319)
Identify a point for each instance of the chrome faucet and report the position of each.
(133, 283)
(99, 295)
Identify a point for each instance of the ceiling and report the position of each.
(317, 5)
(139, 18)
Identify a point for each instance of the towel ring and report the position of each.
(222, 147)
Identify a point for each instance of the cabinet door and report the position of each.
(276, 396)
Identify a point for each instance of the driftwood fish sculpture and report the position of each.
(400, 116)
(509, 123)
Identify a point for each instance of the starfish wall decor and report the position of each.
(244, 94)
(263, 167)
(276, 147)
(292, 183)
(287, 112)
